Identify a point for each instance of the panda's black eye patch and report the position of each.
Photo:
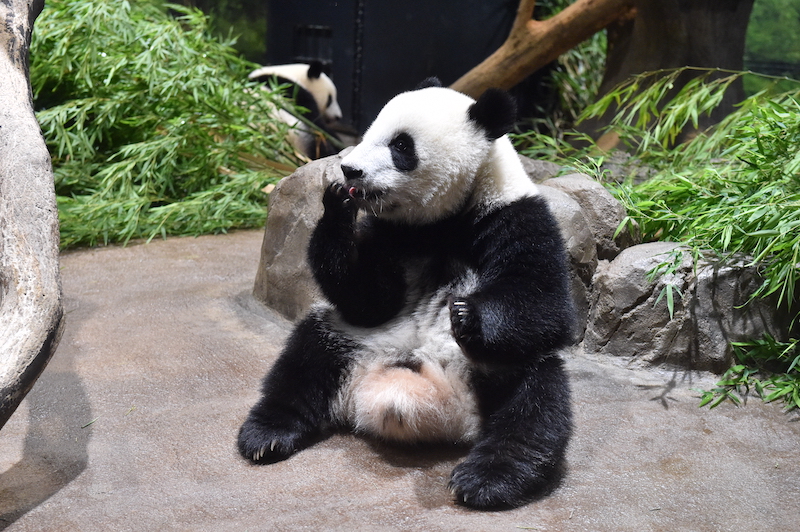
(330, 100)
(404, 156)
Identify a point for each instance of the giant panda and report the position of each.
(312, 89)
(447, 305)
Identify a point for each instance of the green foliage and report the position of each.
(151, 124)
(732, 191)
(769, 367)
(772, 32)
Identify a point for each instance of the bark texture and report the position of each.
(668, 34)
(31, 308)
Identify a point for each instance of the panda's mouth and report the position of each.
(368, 199)
(363, 194)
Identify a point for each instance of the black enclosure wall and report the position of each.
(378, 48)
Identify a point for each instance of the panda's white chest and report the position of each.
(409, 380)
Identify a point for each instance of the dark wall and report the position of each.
(378, 48)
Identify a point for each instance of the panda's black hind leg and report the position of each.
(521, 449)
(294, 409)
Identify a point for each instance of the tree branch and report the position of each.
(524, 15)
(533, 44)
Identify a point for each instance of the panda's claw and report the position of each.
(337, 199)
(462, 318)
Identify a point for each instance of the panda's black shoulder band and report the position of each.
(494, 112)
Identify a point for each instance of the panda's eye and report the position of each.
(330, 101)
(402, 143)
(403, 153)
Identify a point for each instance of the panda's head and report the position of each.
(323, 90)
(427, 151)
(313, 79)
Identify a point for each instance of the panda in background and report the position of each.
(313, 90)
(447, 305)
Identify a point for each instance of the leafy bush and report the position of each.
(731, 191)
(151, 123)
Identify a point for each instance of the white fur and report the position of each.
(398, 403)
(502, 178)
(458, 166)
(320, 88)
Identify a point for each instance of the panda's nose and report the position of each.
(351, 173)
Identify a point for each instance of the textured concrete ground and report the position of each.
(132, 427)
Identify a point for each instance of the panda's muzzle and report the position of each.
(354, 184)
(351, 173)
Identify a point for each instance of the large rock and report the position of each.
(284, 280)
(603, 212)
(629, 316)
(31, 308)
(537, 170)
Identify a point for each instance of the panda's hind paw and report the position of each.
(496, 484)
(262, 444)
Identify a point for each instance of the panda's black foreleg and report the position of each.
(354, 265)
(294, 409)
(523, 441)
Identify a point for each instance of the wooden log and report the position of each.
(532, 44)
(31, 307)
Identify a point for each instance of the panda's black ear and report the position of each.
(432, 81)
(494, 112)
(315, 68)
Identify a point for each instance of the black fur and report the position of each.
(432, 81)
(513, 324)
(404, 156)
(495, 112)
(315, 69)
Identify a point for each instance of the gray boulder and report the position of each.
(537, 170)
(602, 211)
(629, 316)
(284, 281)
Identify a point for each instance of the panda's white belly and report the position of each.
(409, 380)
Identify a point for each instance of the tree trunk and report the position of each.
(31, 309)
(667, 34)
(533, 44)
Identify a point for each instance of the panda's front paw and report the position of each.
(262, 443)
(464, 321)
(338, 200)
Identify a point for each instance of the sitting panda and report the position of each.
(447, 304)
(312, 89)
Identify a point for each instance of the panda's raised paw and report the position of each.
(463, 320)
(339, 200)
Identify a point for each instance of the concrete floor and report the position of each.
(132, 426)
